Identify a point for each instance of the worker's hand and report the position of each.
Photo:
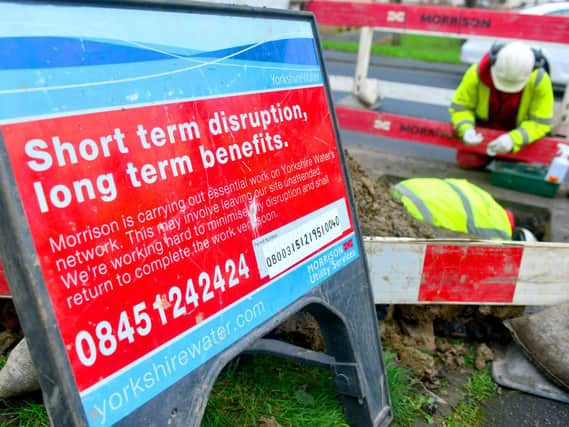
(502, 144)
(471, 137)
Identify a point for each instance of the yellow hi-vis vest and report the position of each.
(455, 204)
(535, 112)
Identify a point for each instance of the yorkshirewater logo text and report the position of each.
(282, 79)
(160, 374)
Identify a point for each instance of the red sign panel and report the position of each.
(152, 211)
(4, 290)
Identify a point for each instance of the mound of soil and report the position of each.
(379, 213)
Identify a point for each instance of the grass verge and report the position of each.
(423, 48)
(252, 388)
(26, 412)
(406, 401)
(478, 388)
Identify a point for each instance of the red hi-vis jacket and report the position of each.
(527, 115)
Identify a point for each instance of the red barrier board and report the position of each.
(448, 20)
(138, 198)
(469, 274)
(437, 133)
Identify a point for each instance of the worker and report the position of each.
(457, 205)
(508, 90)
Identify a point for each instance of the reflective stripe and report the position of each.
(489, 232)
(458, 107)
(463, 123)
(540, 120)
(466, 205)
(525, 135)
(539, 77)
(417, 201)
(492, 233)
(481, 231)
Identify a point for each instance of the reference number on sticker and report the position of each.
(289, 248)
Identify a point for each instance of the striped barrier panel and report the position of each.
(411, 271)
(456, 21)
(436, 133)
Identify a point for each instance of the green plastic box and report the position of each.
(527, 178)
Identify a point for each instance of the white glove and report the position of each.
(502, 144)
(471, 137)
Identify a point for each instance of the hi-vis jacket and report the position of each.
(454, 204)
(535, 113)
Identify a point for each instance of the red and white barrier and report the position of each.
(436, 133)
(436, 19)
(410, 271)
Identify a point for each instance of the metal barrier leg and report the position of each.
(357, 372)
(365, 90)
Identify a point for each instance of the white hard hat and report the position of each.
(512, 66)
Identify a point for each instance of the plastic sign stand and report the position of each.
(173, 188)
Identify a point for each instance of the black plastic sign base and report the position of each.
(172, 188)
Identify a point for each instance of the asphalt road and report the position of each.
(401, 71)
(512, 408)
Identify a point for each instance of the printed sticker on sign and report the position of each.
(284, 247)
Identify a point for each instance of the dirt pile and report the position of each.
(379, 213)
